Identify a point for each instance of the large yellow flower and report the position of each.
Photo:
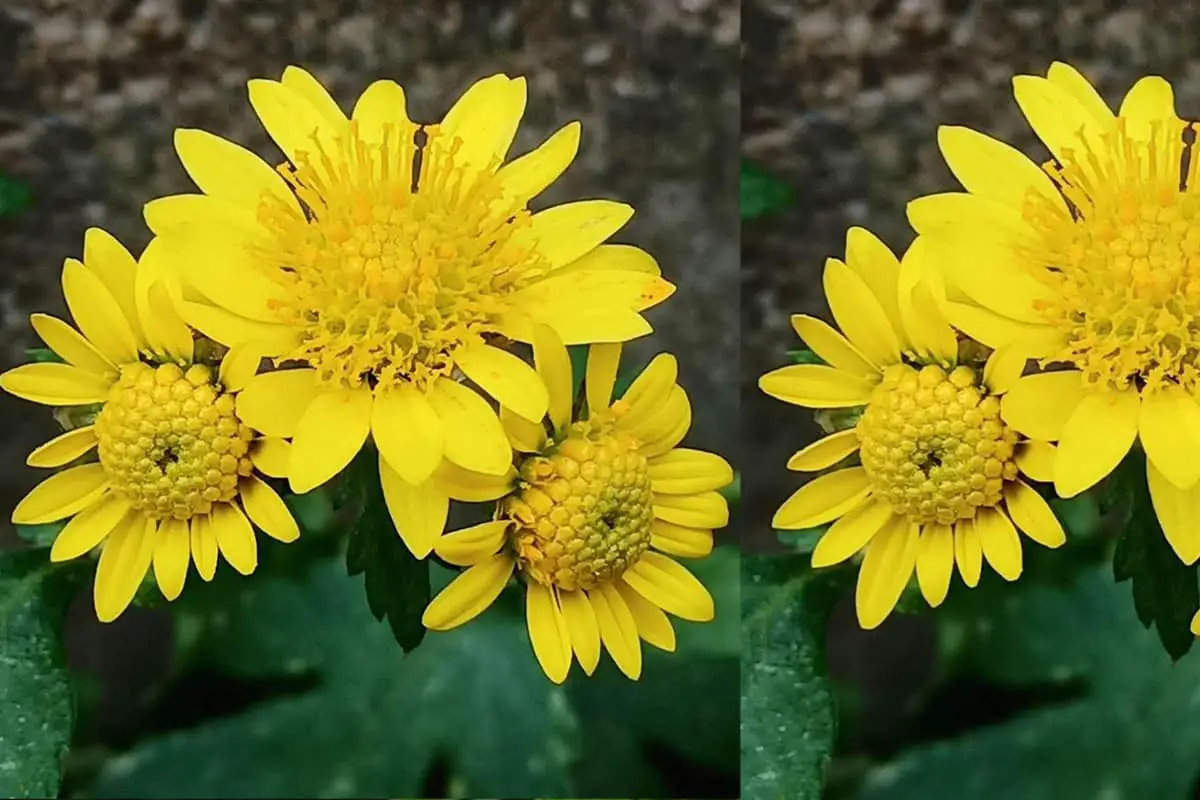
(1091, 261)
(175, 478)
(600, 498)
(937, 483)
(392, 261)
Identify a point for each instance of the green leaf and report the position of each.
(787, 705)
(313, 510)
(43, 355)
(1165, 593)
(733, 492)
(579, 355)
(38, 711)
(397, 583)
(40, 535)
(14, 196)
(761, 193)
(802, 541)
(376, 721)
(804, 356)
(1131, 732)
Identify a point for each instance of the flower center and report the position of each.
(400, 258)
(583, 515)
(1124, 264)
(933, 444)
(169, 440)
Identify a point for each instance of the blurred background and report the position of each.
(840, 104)
(90, 91)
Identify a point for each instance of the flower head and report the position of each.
(174, 478)
(392, 262)
(1090, 262)
(603, 498)
(937, 483)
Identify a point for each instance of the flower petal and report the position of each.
(928, 332)
(108, 258)
(1040, 405)
(235, 537)
(61, 495)
(267, 510)
(418, 511)
(1033, 515)
(825, 452)
(816, 386)
(472, 545)
(968, 553)
(603, 361)
(473, 436)
(273, 403)
(485, 120)
(89, 527)
(164, 329)
(1003, 368)
(618, 629)
(877, 265)
(65, 448)
(513, 383)
(123, 563)
(1169, 429)
(228, 171)
(831, 347)
(587, 306)
(271, 456)
(549, 632)
(71, 346)
(1178, 512)
(470, 594)
(1149, 103)
(822, 499)
(888, 564)
(382, 111)
(1097, 436)
(703, 510)
(1036, 459)
(999, 541)
(935, 562)
(653, 625)
(553, 364)
(331, 432)
(580, 618)
(564, 233)
(408, 431)
(473, 487)
(1057, 117)
(291, 120)
(172, 554)
(851, 532)
(204, 546)
(231, 329)
(993, 169)
(859, 314)
(98, 314)
(669, 585)
(54, 384)
(523, 435)
(649, 390)
(684, 471)
(303, 83)
(680, 541)
(526, 177)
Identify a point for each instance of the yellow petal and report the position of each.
(474, 438)
(879, 268)
(680, 541)
(618, 629)
(165, 331)
(668, 585)
(235, 537)
(470, 594)
(331, 432)
(1003, 369)
(485, 119)
(89, 527)
(65, 448)
(993, 169)
(653, 625)
(603, 361)
(1195, 626)
(273, 403)
(231, 329)
(523, 435)
(418, 511)
(238, 366)
(617, 257)
(98, 314)
(115, 265)
(1057, 117)
(192, 215)
(650, 389)
(549, 632)
(472, 545)
(851, 533)
(382, 111)
(887, 566)
(54, 384)
(473, 487)
(993, 276)
(1033, 515)
(859, 315)
(1178, 512)
(408, 431)
(224, 270)
(999, 541)
(832, 348)
(123, 563)
(1169, 429)
(267, 510)
(703, 510)
(996, 331)
(926, 329)
(553, 363)
(580, 618)
(1070, 80)
(526, 177)
(567, 232)
(588, 306)
(1149, 103)
(172, 554)
(968, 553)
(204, 546)
(513, 383)
(228, 171)
(684, 471)
(70, 345)
(816, 386)
(303, 83)
(667, 428)
(1036, 459)
(935, 563)
(62, 495)
(291, 120)
(825, 452)
(822, 499)
(271, 456)
(1097, 436)
(1040, 405)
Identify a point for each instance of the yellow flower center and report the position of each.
(169, 440)
(933, 444)
(583, 514)
(401, 257)
(1124, 262)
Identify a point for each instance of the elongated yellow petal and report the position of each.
(887, 566)
(618, 629)
(1169, 429)
(833, 348)
(166, 333)
(667, 428)
(62, 495)
(1070, 80)
(935, 563)
(331, 432)
(968, 553)
(877, 265)
(1040, 405)
(1178, 512)
(602, 363)
(303, 83)
(1003, 369)
(190, 215)
(408, 432)
(472, 545)
(108, 258)
(64, 448)
(473, 487)
(228, 171)
(581, 304)
(853, 531)
(549, 632)
(89, 527)
(238, 366)
(470, 594)
(650, 389)
(231, 329)
(703, 510)
(1033, 515)
(172, 554)
(679, 540)
(485, 120)
(71, 346)
(526, 177)
(54, 384)
(993, 169)
(523, 435)
(1097, 436)
(222, 269)
(580, 617)
(574, 324)
(473, 436)
(995, 330)
(653, 625)
(618, 257)
(925, 328)
(553, 363)
(1036, 459)
(382, 110)
(235, 537)
(204, 546)
(823, 499)
(668, 585)
(98, 314)
(1150, 102)
(291, 120)
(684, 471)
(816, 386)
(859, 314)
(418, 511)
(566, 232)
(270, 456)
(513, 383)
(123, 563)
(1057, 117)
(999, 541)
(267, 510)
(824, 452)
(273, 403)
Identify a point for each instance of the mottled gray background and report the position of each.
(842, 99)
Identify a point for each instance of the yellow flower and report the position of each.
(1091, 261)
(601, 497)
(392, 260)
(938, 481)
(175, 477)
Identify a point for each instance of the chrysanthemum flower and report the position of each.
(937, 483)
(392, 261)
(175, 478)
(603, 499)
(1091, 261)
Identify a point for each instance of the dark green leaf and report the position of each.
(313, 511)
(802, 541)
(43, 355)
(397, 583)
(14, 196)
(761, 193)
(579, 354)
(40, 535)
(787, 706)
(1165, 593)
(37, 710)
(1131, 733)
(376, 721)
(804, 356)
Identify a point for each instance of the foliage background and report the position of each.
(1047, 689)
(89, 94)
